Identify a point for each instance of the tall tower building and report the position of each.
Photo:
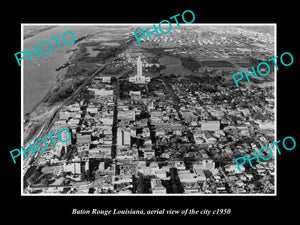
(126, 136)
(119, 136)
(123, 136)
(139, 67)
(139, 78)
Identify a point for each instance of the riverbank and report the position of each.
(40, 72)
(68, 81)
(63, 86)
(31, 31)
(43, 110)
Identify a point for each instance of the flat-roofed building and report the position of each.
(200, 175)
(74, 168)
(83, 139)
(210, 126)
(126, 115)
(106, 80)
(185, 176)
(92, 110)
(103, 92)
(157, 187)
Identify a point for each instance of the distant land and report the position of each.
(261, 29)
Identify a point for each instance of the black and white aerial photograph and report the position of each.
(150, 112)
(108, 112)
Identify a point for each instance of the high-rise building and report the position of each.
(123, 136)
(139, 78)
(139, 67)
(119, 136)
(210, 125)
(126, 136)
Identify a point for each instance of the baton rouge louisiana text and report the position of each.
(162, 211)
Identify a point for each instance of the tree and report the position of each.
(176, 184)
(45, 182)
(65, 182)
(236, 153)
(88, 175)
(219, 160)
(33, 179)
(63, 151)
(82, 176)
(207, 173)
(140, 183)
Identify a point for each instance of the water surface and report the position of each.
(40, 73)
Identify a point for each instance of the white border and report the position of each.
(148, 24)
(22, 109)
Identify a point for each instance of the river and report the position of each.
(40, 73)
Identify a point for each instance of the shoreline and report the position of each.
(58, 79)
(33, 33)
(58, 93)
(35, 120)
(37, 117)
